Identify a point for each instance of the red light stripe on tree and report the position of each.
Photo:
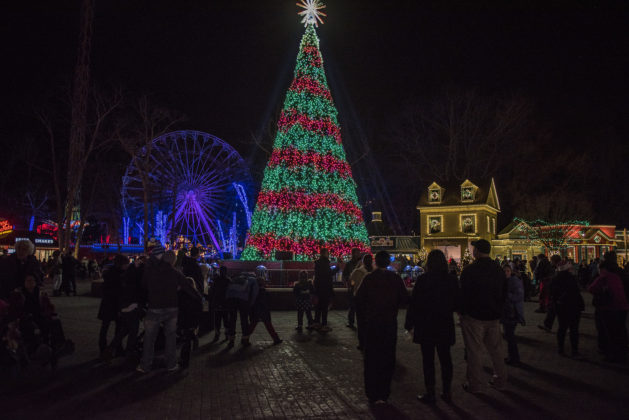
(303, 83)
(313, 55)
(293, 158)
(286, 200)
(268, 243)
(325, 126)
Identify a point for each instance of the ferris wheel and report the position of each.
(195, 185)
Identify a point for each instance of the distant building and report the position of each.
(581, 242)
(622, 242)
(455, 214)
(381, 238)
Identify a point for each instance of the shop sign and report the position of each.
(383, 241)
(5, 227)
(40, 241)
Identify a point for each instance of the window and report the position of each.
(435, 224)
(467, 193)
(468, 223)
(435, 193)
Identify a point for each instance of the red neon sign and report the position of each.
(5, 226)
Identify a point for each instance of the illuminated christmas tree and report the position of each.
(308, 198)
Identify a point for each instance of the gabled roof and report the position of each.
(512, 231)
(485, 194)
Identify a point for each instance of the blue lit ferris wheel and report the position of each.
(195, 185)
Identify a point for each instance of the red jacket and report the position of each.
(614, 284)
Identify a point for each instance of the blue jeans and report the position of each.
(152, 321)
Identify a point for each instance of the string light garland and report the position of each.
(324, 126)
(308, 197)
(307, 203)
(293, 158)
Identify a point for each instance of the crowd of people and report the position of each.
(165, 292)
(487, 294)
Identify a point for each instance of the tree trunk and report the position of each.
(146, 215)
(79, 236)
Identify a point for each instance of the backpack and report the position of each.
(238, 285)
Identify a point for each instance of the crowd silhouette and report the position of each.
(155, 304)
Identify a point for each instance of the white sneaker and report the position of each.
(174, 369)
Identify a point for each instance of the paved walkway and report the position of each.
(309, 376)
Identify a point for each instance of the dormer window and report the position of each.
(467, 194)
(468, 191)
(434, 193)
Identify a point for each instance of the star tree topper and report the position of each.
(312, 12)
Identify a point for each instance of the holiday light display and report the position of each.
(308, 198)
(312, 11)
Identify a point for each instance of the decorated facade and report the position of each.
(453, 215)
(580, 242)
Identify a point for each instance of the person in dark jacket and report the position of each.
(261, 311)
(15, 267)
(241, 293)
(611, 309)
(324, 289)
(189, 316)
(483, 293)
(543, 275)
(566, 298)
(350, 266)
(109, 304)
(377, 301)
(190, 268)
(430, 319)
(303, 291)
(513, 314)
(162, 281)
(219, 302)
(130, 304)
(551, 314)
(68, 273)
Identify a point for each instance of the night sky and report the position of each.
(226, 64)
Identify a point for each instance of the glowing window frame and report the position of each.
(461, 216)
(440, 216)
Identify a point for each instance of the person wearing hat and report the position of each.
(483, 290)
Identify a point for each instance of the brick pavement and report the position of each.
(308, 376)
